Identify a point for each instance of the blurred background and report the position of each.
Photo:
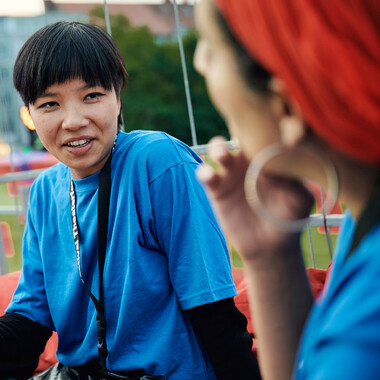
(154, 99)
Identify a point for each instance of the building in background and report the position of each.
(159, 18)
(14, 31)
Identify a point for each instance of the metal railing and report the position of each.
(20, 207)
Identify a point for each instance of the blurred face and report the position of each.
(77, 124)
(247, 114)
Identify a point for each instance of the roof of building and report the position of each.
(158, 17)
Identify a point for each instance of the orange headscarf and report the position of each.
(328, 55)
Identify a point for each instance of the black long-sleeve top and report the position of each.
(220, 326)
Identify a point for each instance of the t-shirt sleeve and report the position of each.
(343, 360)
(348, 351)
(342, 337)
(29, 298)
(187, 231)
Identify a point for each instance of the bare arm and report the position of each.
(280, 300)
(279, 293)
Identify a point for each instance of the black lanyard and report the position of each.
(104, 191)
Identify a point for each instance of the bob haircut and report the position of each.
(68, 50)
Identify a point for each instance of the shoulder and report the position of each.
(50, 180)
(153, 143)
(154, 151)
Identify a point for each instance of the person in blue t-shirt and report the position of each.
(167, 290)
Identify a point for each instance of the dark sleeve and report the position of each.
(21, 343)
(222, 329)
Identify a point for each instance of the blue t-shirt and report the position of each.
(165, 253)
(342, 336)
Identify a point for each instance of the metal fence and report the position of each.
(21, 205)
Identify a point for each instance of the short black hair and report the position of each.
(256, 76)
(68, 50)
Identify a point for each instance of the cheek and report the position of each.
(45, 134)
(220, 89)
(44, 128)
(111, 115)
(223, 85)
(48, 138)
(106, 117)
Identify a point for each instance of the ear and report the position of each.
(287, 114)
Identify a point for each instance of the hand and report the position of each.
(251, 235)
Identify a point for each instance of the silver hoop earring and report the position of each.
(251, 188)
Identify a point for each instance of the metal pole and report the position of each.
(185, 78)
(327, 232)
(107, 18)
(108, 28)
(311, 245)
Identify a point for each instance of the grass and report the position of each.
(320, 246)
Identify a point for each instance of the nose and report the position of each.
(198, 58)
(74, 117)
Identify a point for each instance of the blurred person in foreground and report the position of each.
(298, 83)
(158, 301)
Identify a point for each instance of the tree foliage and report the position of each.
(154, 98)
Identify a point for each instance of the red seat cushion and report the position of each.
(8, 283)
(317, 278)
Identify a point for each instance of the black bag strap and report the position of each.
(104, 193)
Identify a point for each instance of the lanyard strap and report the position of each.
(104, 192)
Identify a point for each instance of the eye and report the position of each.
(48, 105)
(93, 96)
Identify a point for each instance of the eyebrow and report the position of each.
(47, 94)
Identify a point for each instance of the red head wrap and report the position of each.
(328, 55)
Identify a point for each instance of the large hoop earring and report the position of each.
(251, 188)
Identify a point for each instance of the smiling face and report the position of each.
(77, 124)
(248, 114)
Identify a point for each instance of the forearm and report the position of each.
(222, 330)
(280, 300)
(21, 343)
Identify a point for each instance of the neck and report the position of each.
(358, 182)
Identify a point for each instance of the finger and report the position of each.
(207, 175)
(287, 196)
(219, 151)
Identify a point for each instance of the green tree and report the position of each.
(154, 98)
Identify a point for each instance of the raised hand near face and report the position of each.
(252, 236)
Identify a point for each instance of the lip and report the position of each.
(79, 150)
(72, 139)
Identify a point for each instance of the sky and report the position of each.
(35, 7)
